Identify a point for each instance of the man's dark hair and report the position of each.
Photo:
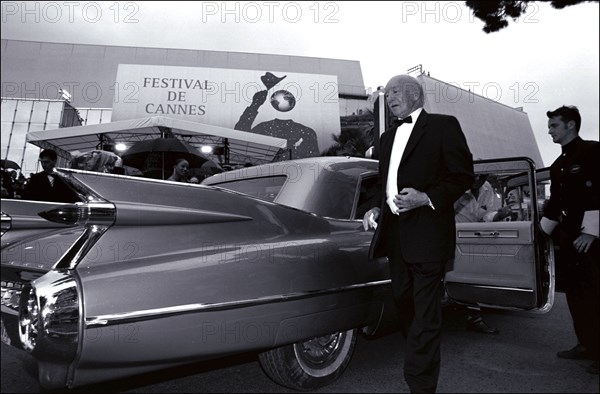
(567, 114)
(50, 154)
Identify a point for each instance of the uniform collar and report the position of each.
(571, 146)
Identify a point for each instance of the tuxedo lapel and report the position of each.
(387, 152)
(416, 134)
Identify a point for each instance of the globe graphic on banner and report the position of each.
(283, 101)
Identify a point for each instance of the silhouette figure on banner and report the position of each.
(302, 140)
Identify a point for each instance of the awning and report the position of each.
(244, 147)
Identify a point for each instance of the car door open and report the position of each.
(504, 259)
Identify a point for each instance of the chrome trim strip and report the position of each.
(6, 221)
(9, 311)
(501, 288)
(549, 258)
(120, 318)
(80, 248)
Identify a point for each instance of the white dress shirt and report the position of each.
(400, 140)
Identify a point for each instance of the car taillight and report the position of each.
(6, 223)
(91, 213)
(50, 317)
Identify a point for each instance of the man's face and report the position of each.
(402, 95)
(560, 131)
(47, 164)
(512, 197)
(479, 181)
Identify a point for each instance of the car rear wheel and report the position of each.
(310, 364)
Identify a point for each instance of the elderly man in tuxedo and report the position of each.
(425, 165)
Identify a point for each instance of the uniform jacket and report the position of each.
(437, 161)
(575, 188)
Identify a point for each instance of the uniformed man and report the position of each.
(573, 207)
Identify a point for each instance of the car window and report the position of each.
(265, 188)
(543, 189)
(481, 202)
(498, 194)
(366, 198)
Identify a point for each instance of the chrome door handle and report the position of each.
(490, 234)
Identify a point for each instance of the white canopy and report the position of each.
(244, 147)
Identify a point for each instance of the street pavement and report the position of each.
(521, 359)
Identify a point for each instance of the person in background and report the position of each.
(117, 167)
(100, 161)
(514, 210)
(180, 171)
(573, 212)
(477, 204)
(18, 182)
(194, 180)
(7, 185)
(103, 161)
(414, 221)
(47, 185)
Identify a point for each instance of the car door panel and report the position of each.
(505, 263)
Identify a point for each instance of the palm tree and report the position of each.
(355, 138)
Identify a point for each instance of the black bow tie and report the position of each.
(399, 122)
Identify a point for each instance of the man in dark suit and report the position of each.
(46, 185)
(425, 165)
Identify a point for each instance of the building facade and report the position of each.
(34, 75)
(37, 71)
(21, 116)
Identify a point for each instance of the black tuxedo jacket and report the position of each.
(437, 161)
(39, 189)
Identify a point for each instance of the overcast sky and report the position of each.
(545, 59)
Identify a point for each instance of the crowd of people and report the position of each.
(12, 183)
(41, 187)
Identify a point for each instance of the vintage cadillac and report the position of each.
(145, 274)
